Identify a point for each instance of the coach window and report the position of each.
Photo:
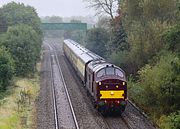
(101, 73)
(110, 71)
(119, 73)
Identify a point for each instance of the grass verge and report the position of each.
(17, 105)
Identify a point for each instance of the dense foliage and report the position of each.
(155, 50)
(52, 19)
(24, 45)
(170, 122)
(145, 42)
(97, 39)
(159, 85)
(20, 34)
(6, 68)
(16, 14)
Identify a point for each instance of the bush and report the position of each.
(158, 86)
(24, 44)
(6, 69)
(170, 122)
(17, 14)
(172, 38)
(161, 84)
(97, 38)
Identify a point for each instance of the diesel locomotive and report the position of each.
(105, 82)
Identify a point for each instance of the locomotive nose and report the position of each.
(112, 89)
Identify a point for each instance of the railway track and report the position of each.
(137, 118)
(116, 123)
(106, 120)
(54, 99)
(54, 61)
(126, 122)
(132, 118)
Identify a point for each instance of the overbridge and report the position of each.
(64, 26)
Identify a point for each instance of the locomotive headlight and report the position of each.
(112, 93)
(124, 83)
(117, 86)
(100, 83)
(118, 102)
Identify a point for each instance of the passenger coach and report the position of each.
(105, 82)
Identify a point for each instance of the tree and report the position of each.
(104, 22)
(163, 10)
(75, 21)
(16, 14)
(97, 38)
(144, 26)
(119, 41)
(3, 22)
(6, 68)
(24, 44)
(132, 10)
(52, 19)
(147, 10)
(172, 38)
(162, 82)
(108, 7)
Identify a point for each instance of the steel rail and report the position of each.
(125, 121)
(53, 94)
(109, 126)
(105, 121)
(66, 90)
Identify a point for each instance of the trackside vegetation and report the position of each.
(100, 35)
(20, 44)
(17, 108)
(145, 42)
(21, 36)
(6, 68)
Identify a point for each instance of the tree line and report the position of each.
(143, 38)
(20, 42)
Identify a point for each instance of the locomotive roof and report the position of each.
(81, 51)
(95, 66)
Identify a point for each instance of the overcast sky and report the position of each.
(63, 8)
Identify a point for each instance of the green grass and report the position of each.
(12, 117)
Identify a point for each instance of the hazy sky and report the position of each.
(64, 8)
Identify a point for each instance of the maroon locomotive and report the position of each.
(105, 82)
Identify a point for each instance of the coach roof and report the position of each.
(83, 53)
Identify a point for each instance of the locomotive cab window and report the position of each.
(119, 73)
(110, 71)
(101, 73)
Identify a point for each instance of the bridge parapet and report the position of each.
(64, 26)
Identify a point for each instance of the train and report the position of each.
(105, 82)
